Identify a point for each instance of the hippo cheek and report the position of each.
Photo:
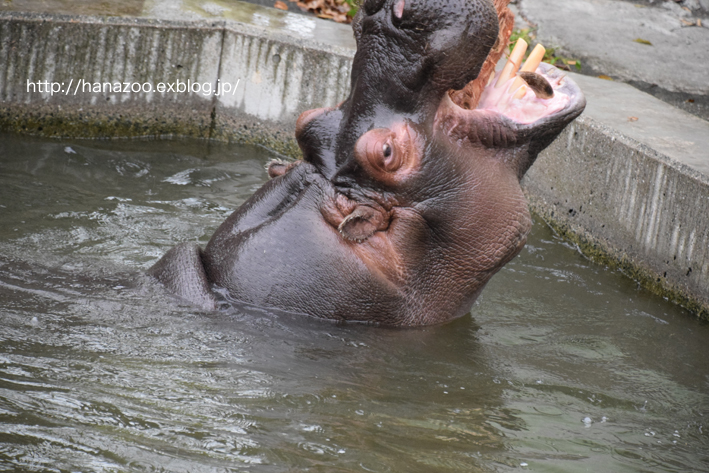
(499, 217)
(478, 214)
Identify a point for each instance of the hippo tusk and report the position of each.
(530, 65)
(534, 59)
(513, 63)
(399, 8)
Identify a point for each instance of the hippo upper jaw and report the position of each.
(410, 52)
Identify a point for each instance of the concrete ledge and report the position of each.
(627, 181)
(625, 205)
(275, 75)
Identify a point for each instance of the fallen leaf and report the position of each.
(341, 11)
(688, 23)
(280, 5)
(643, 41)
(690, 100)
(605, 77)
(633, 119)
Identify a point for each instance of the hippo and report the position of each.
(407, 199)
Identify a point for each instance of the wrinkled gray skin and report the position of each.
(404, 204)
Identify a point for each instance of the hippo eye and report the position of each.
(389, 156)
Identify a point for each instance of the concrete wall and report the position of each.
(627, 181)
(628, 206)
(278, 77)
(66, 50)
(278, 81)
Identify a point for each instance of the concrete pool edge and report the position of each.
(626, 205)
(624, 201)
(268, 92)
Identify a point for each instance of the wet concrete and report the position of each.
(276, 63)
(629, 183)
(660, 46)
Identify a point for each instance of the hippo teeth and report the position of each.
(527, 95)
(399, 8)
(513, 63)
(347, 237)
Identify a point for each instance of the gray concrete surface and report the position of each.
(279, 63)
(256, 19)
(603, 34)
(627, 181)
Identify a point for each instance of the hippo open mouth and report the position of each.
(407, 199)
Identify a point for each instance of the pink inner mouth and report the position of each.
(526, 109)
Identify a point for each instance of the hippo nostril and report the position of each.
(373, 6)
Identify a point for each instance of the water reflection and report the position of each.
(563, 364)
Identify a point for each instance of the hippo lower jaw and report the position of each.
(506, 119)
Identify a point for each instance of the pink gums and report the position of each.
(527, 109)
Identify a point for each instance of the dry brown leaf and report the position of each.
(328, 9)
(633, 119)
(280, 5)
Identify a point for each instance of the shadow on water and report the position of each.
(563, 365)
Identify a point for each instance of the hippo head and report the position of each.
(407, 199)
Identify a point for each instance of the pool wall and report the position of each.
(627, 181)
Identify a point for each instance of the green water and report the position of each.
(562, 365)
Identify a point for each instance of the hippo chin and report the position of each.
(407, 199)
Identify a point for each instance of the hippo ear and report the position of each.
(278, 167)
(362, 223)
(390, 155)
